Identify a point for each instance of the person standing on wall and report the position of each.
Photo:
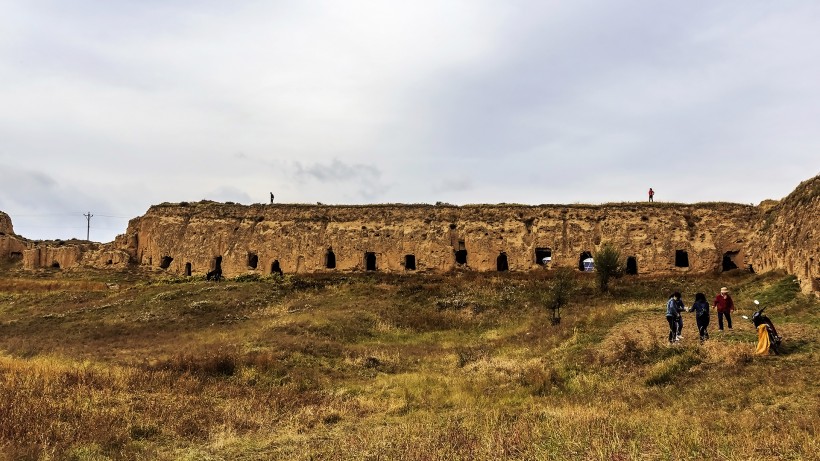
(271, 198)
(651, 195)
(725, 306)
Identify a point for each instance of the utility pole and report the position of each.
(88, 228)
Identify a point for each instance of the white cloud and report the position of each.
(357, 102)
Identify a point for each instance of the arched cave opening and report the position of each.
(729, 261)
(543, 256)
(274, 267)
(330, 259)
(501, 263)
(631, 266)
(370, 261)
(187, 269)
(409, 262)
(584, 255)
(253, 260)
(55, 265)
(681, 258)
(217, 264)
(165, 263)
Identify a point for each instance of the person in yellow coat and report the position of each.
(763, 343)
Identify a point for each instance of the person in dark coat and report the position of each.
(701, 309)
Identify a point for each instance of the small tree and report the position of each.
(607, 265)
(563, 286)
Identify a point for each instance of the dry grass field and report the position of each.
(463, 366)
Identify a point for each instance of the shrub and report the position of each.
(607, 265)
(563, 286)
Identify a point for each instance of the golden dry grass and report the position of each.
(379, 368)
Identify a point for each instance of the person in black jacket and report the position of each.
(701, 309)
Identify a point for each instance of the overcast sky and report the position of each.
(109, 106)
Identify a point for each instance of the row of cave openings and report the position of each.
(216, 266)
(543, 256)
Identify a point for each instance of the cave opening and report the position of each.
(330, 259)
(631, 266)
(187, 269)
(728, 262)
(410, 262)
(501, 263)
(253, 260)
(165, 262)
(543, 256)
(681, 258)
(274, 267)
(584, 263)
(461, 253)
(370, 261)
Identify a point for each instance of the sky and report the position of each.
(109, 107)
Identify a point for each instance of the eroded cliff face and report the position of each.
(5, 225)
(659, 238)
(11, 247)
(789, 236)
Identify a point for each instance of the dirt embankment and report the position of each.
(789, 236)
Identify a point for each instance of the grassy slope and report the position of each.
(464, 366)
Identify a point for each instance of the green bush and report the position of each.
(559, 294)
(607, 265)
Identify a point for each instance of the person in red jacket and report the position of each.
(724, 306)
(651, 195)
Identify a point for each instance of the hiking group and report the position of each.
(723, 304)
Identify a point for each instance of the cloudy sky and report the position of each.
(109, 107)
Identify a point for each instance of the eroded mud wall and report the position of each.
(300, 237)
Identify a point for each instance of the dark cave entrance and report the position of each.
(585, 255)
(729, 261)
(370, 261)
(187, 269)
(461, 253)
(330, 259)
(681, 258)
(501, 263)
(165, 263)
(410, 262)
(274, 267)
(631, 266)
(217, 264)
(253, 260)
(543, 256)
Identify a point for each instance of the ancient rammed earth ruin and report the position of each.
(191, 239)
